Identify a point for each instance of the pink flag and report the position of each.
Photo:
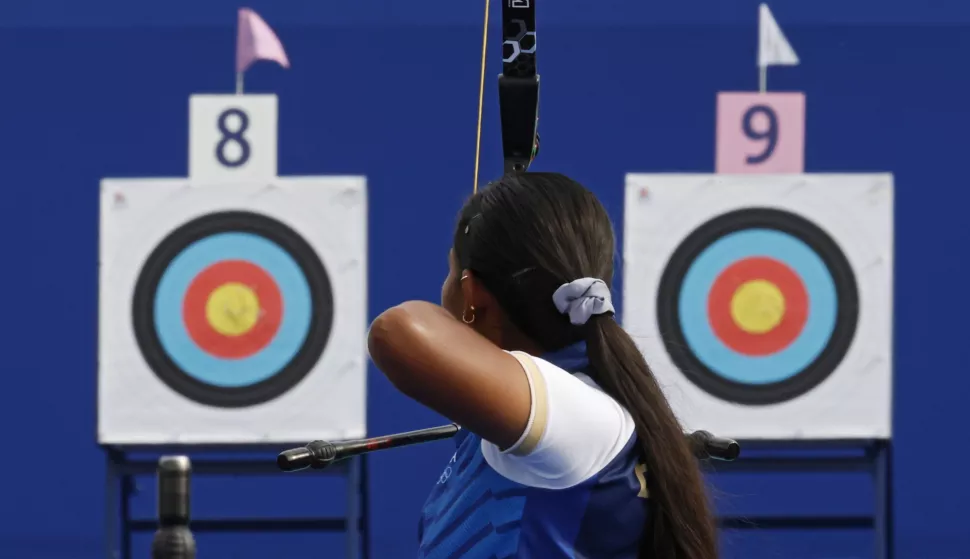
(256, 41)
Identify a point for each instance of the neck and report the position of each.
(510, 338)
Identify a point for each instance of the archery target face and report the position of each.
(220, 319)
(758, 305)
(232, 309)
(744, 294)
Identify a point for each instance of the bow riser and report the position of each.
(518, 85)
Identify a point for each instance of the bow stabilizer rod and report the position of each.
(322, 454)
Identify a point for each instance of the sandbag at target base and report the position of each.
(764, 302)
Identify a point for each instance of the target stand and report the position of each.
(124, 464)
(763, 303)
(872, 457)
(232, 315)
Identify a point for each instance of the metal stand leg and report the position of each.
(127, 485)
(364, 508)
(111, 513)
(353, 508)
(890, 537)
(883, 506)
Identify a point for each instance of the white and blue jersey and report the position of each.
(573, 486)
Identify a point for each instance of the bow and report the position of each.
(518, 85)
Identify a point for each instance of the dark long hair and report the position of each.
(524, 236)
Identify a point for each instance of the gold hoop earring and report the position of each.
(465, 319)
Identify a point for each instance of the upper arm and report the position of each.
(450, 368)
(574, 430)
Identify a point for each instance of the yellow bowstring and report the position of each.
(481, 99)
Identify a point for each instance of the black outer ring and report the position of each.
(668, 307)
(143, 310)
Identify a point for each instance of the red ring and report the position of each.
(779, 337)
(216, 343)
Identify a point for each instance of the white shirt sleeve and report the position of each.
(574, 430)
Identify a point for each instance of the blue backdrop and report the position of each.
(389, 89)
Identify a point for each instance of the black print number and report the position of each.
(769, 135)
(234, 136)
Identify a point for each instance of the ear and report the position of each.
(474, 292)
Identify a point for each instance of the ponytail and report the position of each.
(680, 525)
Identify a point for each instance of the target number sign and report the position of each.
(757, 306)
(232, 137)
(232, 309)
(760, 133)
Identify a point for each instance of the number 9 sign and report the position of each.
(232, 137)
(760, 133)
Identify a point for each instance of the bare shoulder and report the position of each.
(443, 364)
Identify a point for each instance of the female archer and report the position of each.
(568, 447)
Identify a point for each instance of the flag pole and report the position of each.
(762, 67)
(239, 83)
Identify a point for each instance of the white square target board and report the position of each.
(763, 303)
(232, 313)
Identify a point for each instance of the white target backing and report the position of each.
(764, 302)
(232, 313)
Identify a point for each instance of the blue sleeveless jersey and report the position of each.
(474, 512)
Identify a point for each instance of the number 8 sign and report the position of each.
(760, 133)
(232, 137)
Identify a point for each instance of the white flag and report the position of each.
(773, 47)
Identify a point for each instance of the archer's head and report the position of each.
(517, 242)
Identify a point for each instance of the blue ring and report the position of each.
(700, 278)
(217, 371)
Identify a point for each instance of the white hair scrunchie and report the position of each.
(583, 298)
